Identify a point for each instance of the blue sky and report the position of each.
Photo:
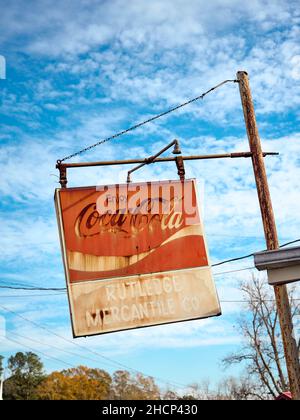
(78, 71)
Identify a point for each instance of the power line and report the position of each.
(221, 300)
(251, 255)
(38, 351)
(290, 243)
(58, 289)
(156, 117)
(232, 260)
(53, 289)
(17, 283)
(58, 348)
(36, 295)
(262, 300)
(177, 384)
(234, 271)
(63, 289)
(70, 365)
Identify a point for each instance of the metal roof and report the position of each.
(279, 258)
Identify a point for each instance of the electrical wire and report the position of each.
(234, 271)
(38, 351)
(53, 289)
(72, 366)
(245, 301)
(156, 117)
(36, 295)
(56, 289)
(64, 290)
(232, 260)
(63, 294)
(251, 255)
(59, 349)
(177, 384)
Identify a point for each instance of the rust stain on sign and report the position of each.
(134, 255)
(139, 301)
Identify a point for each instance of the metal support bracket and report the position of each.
(180, 167)
(62, 167)
(62, 174)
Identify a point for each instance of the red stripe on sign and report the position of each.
(171, 256)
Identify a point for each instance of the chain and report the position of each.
(156, 117)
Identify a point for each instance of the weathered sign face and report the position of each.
(134, 256)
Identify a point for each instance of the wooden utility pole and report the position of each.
(281, 295)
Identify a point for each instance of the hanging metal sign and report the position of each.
(134, 256)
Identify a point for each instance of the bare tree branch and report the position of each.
(262, 351)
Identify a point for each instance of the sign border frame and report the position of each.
(66, 266)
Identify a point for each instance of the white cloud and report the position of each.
(229, 198)
(163, 52)
(209, 332)
(75, 27)
(104, 66)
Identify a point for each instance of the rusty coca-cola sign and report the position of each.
(133, 238)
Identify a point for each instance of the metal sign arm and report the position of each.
(62, 167)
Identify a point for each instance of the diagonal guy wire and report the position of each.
(156, 117)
